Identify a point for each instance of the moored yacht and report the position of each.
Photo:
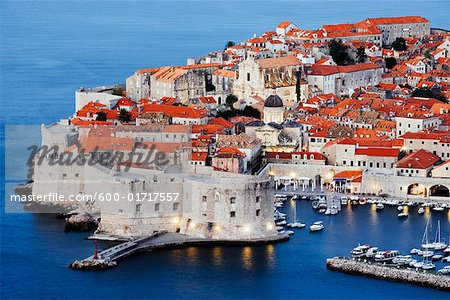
(360, 251)
(316, 226)
(384, 256)
(402, 215)
(380, 206)
(421, 210)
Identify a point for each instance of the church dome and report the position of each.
(273, 101)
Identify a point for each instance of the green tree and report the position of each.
(361, 55)
(124, 116)
(229, 44)
(339, 53)
(101, 116)
(118, 91)
(390, 62)
(428, 93)
(399, 44)
(250, 111)
(230, 100)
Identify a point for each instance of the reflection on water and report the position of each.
(427, 213)
(217, 256)
(192, 254)
(270, 256)
(373, 214)
(247, 257)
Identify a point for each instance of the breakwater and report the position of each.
(108, 258)
(384, 272)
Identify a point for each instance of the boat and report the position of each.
(417, 264)
(380, 206)
(402, 260)
(438, 208)
(344, 200)
(402, 215)
(427, 253)
(446, 259)
(400, 208)
(289, 232)
(426, 244)
(421, 210)
(316, 226)
(362, 201)
(294, 198)
(428, 266)
(354, 200)
(279, 228)
(438, 243)
(447, 250)
(414, 251)
(413, 262)
(371, 252)
(384, 256)
(304, 197)
(444, 271)
(321, 211)
(322, 205)
(360, 251)
(296, 225)
(409, 203)
(370, 201)
(278, 204)
(315, 204)
(436, 257)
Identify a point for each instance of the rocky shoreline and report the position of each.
(383, 272)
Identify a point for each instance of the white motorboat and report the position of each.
(371, 252)
(438, 208)
(418, 264)
(281, 223)
(278, 204)
(296, 225)
(414, 251)
(360, 251)
(315, 204)
(447, 250)
(427, 253)
(444, 271)
(402, 260)
(384, 256)
(279, 228)
(413, 262)
(428, 266)
(446, 259)
(436, 257)
(321, 211)
(290, 232)
(421, 211)
(380, 206)
(402, 215)
(316, 226)
(400, 208)
(344, 200)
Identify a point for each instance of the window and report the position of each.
(157, 206)
(258, 199)
(204, 199)
(138, 208)
(233, 200)
(248, 76)
(258, 212)
(175, 206)
(232, 214)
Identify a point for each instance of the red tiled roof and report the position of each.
(420, 159)
(385, 152)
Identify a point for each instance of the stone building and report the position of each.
(263, 77)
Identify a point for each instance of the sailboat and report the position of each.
(296, 223)
(426, 244)
(438, 244)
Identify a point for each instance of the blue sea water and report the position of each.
(48, 49)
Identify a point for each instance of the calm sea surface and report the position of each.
(51, 48)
